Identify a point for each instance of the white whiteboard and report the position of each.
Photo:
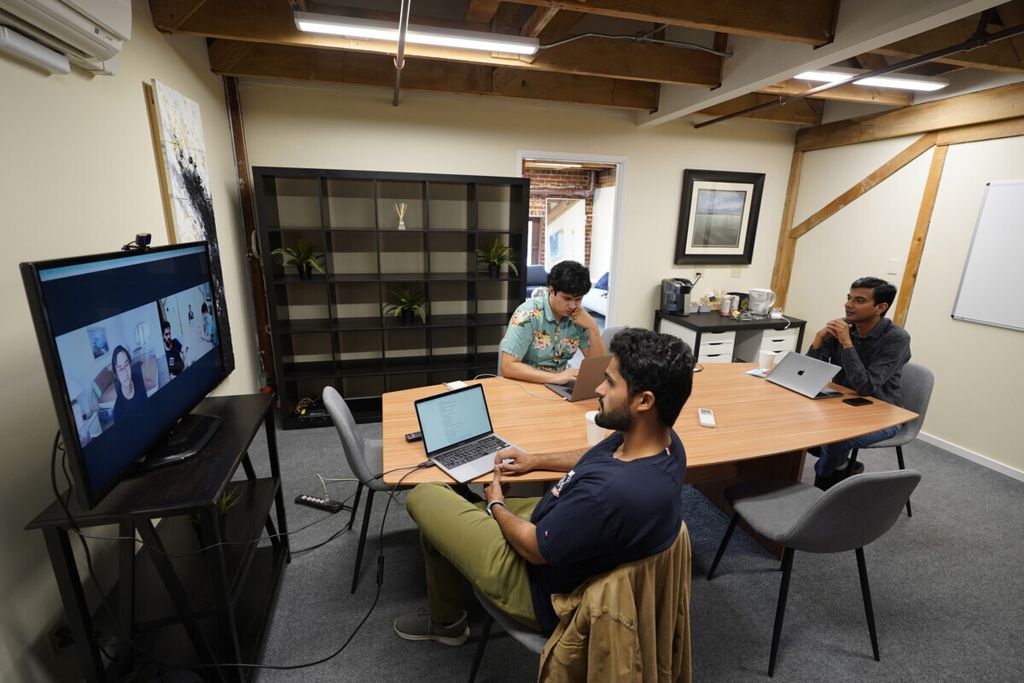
(992, 285)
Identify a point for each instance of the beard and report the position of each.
(619, 420)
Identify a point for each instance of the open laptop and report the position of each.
(805, 375)
(591, 374)
(457, 433)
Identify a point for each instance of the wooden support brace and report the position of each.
(786, 251)
(924, 219)
(916, 149)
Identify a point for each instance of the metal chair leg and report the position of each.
(780, 610)
(355, 504)
(899, 458)
(853, 460)
(362, 537)
(478, 657)
(866, 591)
(721, 547)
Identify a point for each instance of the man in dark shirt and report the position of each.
(872, 350)
(619, 502)
(173, 350)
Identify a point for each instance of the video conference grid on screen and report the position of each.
(135, 349)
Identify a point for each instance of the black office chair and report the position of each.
(850, 515)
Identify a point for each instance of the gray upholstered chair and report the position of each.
(533, 641)
(917, 382)
(365, 459)
(848, 516)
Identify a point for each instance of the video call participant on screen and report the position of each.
(176, 354)
(619, 502)
(129, 385)
(209, 332)
(545, 331)
(871, 350)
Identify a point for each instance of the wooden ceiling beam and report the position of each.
(799, 111)
(538, 21)
(174, 13)
(482, 11)
(802, 21)
(305, 64)
(270, 22)
(995, 104)
(842, 93)
(1000, 56)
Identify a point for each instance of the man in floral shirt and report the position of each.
(545, 331)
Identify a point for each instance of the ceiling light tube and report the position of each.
(350, 27)
(897, 81)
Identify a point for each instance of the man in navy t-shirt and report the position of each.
(617, 503)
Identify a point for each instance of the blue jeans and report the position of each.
(834, 455)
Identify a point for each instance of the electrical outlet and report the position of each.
(735, 272)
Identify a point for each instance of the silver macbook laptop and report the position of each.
(457, 433)
(805, 375)
(591, 374)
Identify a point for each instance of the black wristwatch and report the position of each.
(490, 506)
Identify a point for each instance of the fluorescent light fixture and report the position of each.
(26, 49)
(554, 164)
(835, 74)
(351, 27)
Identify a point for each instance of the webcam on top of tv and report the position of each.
(140, 243)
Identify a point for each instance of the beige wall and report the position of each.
(974, 404)
(78, 176)
(357, 128)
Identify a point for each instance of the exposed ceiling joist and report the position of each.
(601, 57)
(332, 66)
(843, 93)
(805, 112)
(538, 21)
(802, 21)
(999, 56)
(863, 26)
(482, 11)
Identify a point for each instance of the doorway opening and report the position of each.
(574, 214)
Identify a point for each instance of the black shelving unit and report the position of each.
(202, 588)
(332, 329)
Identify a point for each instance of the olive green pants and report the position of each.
(460, 539)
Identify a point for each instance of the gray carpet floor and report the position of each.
(947, 585)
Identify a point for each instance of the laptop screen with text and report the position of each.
(452, 418)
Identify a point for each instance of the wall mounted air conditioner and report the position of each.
(89, 32)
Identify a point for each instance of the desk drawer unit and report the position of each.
(716, 347)
(776, 341)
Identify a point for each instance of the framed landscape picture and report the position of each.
(718, 217)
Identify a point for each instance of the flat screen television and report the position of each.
(131, 343)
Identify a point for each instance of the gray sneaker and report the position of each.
(419, 627)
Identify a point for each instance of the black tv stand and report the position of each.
(184, 440)
(203, 585)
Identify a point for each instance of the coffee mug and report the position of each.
(766, 360)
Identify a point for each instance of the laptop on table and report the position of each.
(457, 432)
(805, 375)
(591, 375)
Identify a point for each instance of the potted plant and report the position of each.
(229, 499)
(303, 256)
(495, 255)
(406, 304)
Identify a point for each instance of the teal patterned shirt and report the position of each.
(536, 338)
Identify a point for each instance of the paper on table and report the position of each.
(758, 372)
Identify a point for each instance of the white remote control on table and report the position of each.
(706, 416)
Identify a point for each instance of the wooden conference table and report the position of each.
(762, 429)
